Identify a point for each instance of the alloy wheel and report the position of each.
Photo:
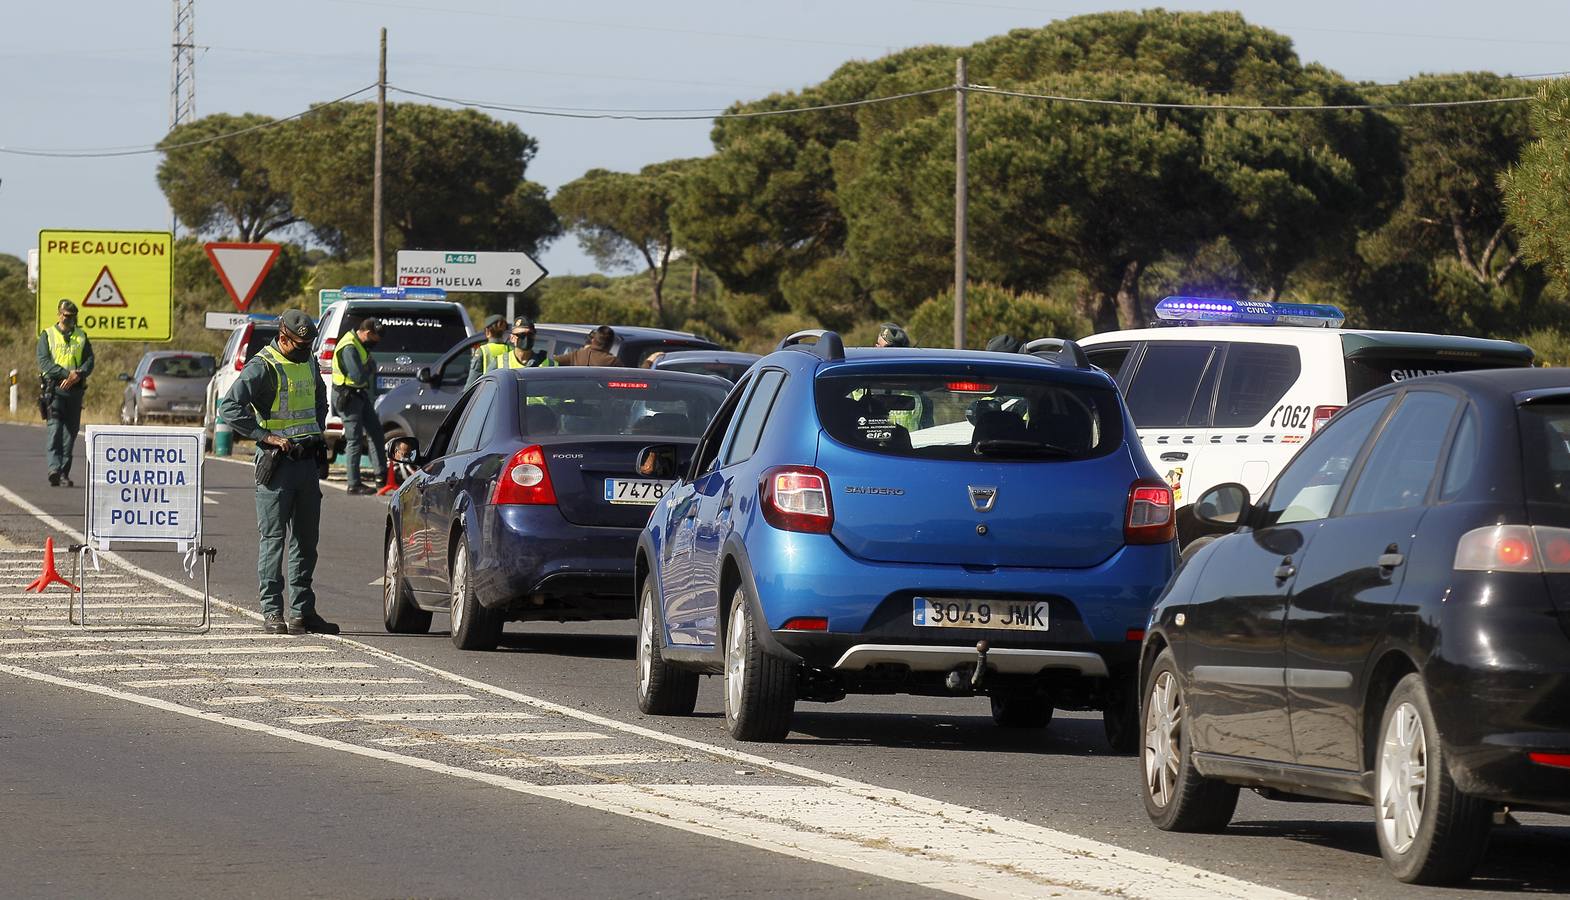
(1163, 738)
(735, 660)
(645, 643)
(390, 578)
(1403, 778)
(460, 587)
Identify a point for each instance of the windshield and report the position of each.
(183, 366)
(943, 417)
(432, 331)
(618, 405)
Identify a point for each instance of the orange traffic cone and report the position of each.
(51, 574)
(392, 480)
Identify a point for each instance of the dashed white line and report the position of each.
(403, 742)
(255, 682)
(224, 651)
(238, 701)
(526, 736)
(612, 759)
(372, 698)
(410, 717)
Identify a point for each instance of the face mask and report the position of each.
(526, 341)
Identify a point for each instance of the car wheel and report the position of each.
(663, 689)
(1021, 710)
(399, 613)
(1177, 797)
(1120, 719)
(473, 626)
(1429, 832)
(760, 690)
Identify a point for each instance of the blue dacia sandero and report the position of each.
(937, 522)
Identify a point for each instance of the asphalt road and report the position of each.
(1063, 778)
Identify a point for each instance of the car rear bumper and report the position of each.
(1004, 660)
(536, 564)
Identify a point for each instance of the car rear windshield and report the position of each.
(947, 417)
(260, 337)
(726, 370)
(1364, 374)
(635, 352)
(433, 331)
(183, 366)
(617, 404)
(1545, 447)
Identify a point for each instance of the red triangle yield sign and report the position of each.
(241, 268)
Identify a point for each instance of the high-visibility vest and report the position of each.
(293, 414)
(67, 350)
(510, 361)
(340, 377)
(494, 356)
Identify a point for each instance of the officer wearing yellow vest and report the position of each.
(488, 356)
(354, 375)
(891, 335)
(279, 401)
(523, 355)
(65, 359)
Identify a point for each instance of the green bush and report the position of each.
(991, 310)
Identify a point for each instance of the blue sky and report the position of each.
(95, 73)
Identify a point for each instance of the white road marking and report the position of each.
(116, 667)
(853, 826)
(512, 736)
(613, 759)
(1036, 857)
(403, 742)
(511, 763)
(410, 717)
(371, 698)
(254, 682)
(238, 701)
(274, 664)
(166, 638)
(222, 651)
(54, 654)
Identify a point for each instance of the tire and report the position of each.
(760, 690)
(1429, 832)
(1177, 797)
(663, 689)
(473, 626)
(399, 613)
(1021, 710)
(1120, 719)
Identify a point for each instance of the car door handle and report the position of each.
(1173, 457)
(1391, 558)
(1285, 570)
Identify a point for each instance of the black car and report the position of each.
(727, 364)
(1389, 624)
(416, 407)
(527, 505)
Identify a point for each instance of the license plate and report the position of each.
(636, 491)
(185, 407)
(1008, 615)
(388, 382)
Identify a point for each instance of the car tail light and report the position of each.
(325, 358)
(1134, 634)
(971, 387)
(1150, 519)
(1558, 760)
(239, 349)
(1514, 548)
(525, 480)
(1322, 415)
(149, 386)
(628, 385)
(796, 498)
(806, 623)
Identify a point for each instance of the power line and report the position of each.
(139, 149)
(649, 116)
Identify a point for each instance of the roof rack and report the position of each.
(820, 341)
(1065, 352)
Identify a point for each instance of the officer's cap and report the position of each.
(521, 324)
(494, 320)
(1004, 343)
(893, 335)
(298, 324)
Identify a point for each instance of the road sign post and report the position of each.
(144, 490)
(477, 271)
(119, 280)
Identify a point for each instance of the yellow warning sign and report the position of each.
(119, 280)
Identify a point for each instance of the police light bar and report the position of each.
(1219, 311)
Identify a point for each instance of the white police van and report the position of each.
(1236, 393)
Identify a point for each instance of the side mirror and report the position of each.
(1223, 506)
(658, 461)
(425, 376)
(404, 450)
(125, 376)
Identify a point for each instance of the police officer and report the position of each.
(354, 374)
(280, 402)
(891, 335)
(489, 355)
(523, 355)
(65, 359)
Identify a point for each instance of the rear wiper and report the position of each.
(1006, 447)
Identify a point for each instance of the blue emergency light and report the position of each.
(388, 292)
(1221, 311)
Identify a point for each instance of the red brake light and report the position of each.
(239, 349)
(149, 385)
(325, 358)
(1322, 415)
(1560, 760)
(796, 498)
(971, 387)
(1150, 519)
(1501, 548)
(1134, 634)
(524, 480)
(806, 623)
(629, 385)
(1556, 552)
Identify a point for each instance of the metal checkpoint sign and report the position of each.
(480, 271)
(144, 485)
(119, 280)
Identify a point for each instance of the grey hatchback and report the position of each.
(169, 385)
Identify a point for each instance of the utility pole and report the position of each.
(376, 176)
(182, 73)
(961, 200)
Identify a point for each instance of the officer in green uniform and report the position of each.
(523, 355)
(489, 355)
(279, 400)
(891, 335)
(354, 375)
(65, 359)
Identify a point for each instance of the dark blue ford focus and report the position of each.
(526, 504)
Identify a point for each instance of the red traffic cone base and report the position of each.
(51, 574)
(392, 480)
